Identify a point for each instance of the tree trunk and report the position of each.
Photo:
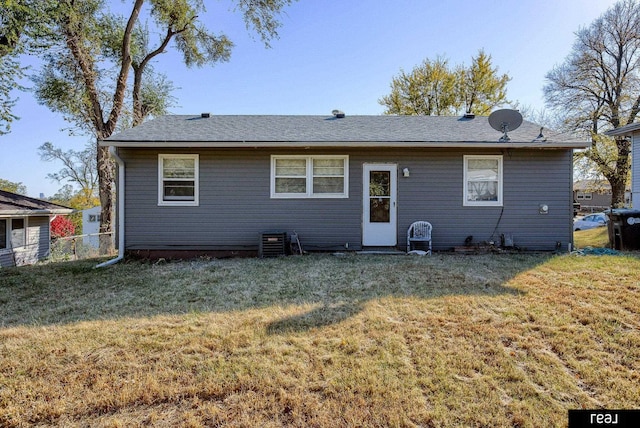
(106, 174)
(619, 180)
(617, 191)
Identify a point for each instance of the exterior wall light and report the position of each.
(406, 172)
(543, 209)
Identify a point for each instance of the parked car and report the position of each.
(590, 221)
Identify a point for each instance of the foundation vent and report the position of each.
(273, 244)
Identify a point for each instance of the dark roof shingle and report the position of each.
(236, 130)
(15, 204)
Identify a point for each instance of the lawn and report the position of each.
(320, 340)
(598, 237)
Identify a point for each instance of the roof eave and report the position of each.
(373, 144)
(31, 213)
(624, 130)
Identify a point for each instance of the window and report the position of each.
(3, 234)
(482, 180)
(13, 233)
(178, 180)
(93, 218)
(309, 176)
(18, 235)
(582, 196)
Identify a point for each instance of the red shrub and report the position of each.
(61, 227)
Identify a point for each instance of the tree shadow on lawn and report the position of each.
(321, 316)
(337, 287)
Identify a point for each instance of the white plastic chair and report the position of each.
(420, 231)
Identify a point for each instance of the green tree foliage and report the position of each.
(428, 90)
(10, 186)
(11, 71)
(71, 197)
(20, 32)
(64, 195)
(434, 88)
(480, 87)
(597, 88)
(10, 68)
(96, 61)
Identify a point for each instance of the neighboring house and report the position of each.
(595, 195)
(24, 228)
(211, 184)
(592, 195)
(91, 226)
(632, 130)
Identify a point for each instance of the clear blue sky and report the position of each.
(334, 55)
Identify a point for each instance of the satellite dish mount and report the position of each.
(505, 120)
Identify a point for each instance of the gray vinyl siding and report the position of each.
(235, 204)
(635, 171)
(37, 244)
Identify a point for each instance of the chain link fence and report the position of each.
(80, 247)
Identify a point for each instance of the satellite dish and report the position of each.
(505, 120)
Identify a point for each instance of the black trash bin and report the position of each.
(624, 229)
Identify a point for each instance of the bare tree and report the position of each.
(78, 167)
(597, 88)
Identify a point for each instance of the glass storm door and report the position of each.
(379, 205)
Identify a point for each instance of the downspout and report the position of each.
(120, 217)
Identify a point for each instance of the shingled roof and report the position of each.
(325, 131)
(13, 204)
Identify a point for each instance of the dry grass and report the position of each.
(509, 340)
(597, 237)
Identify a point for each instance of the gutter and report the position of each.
(350, 144)
(31, 213)
(118, 159)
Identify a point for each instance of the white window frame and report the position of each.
(309, 178)
(7, 237)
(584, 196)
(196, 191)
(468, 203)
(9, 233)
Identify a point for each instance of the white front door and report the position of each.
(379, 205)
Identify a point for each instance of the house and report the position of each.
(24, 228)
(592, 195)
(633, 131)
(595, 195)
(91, 227)
(211, 184)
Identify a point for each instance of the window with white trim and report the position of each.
(3, 234)
(482, 180)
(13, 233)
(323, 176)
(178, 180)
(583, 196)
(18, 233)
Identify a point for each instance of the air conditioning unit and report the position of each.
(273, 244)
